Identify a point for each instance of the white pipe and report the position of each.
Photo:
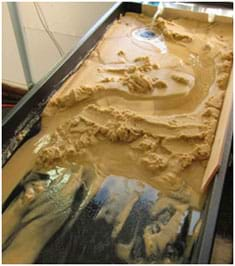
(158, 12)
(211, 17)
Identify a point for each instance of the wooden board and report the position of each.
(216, 156)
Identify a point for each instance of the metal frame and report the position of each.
(36, 98)
(16, 24)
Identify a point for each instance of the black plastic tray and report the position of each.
(31, 105)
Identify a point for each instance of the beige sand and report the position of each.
(133, 110)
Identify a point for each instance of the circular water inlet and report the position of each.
(144, 34)
(153, 37)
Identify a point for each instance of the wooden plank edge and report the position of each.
(216, 155)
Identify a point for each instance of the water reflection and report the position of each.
(122, 221)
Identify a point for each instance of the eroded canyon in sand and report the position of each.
(132, 110)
